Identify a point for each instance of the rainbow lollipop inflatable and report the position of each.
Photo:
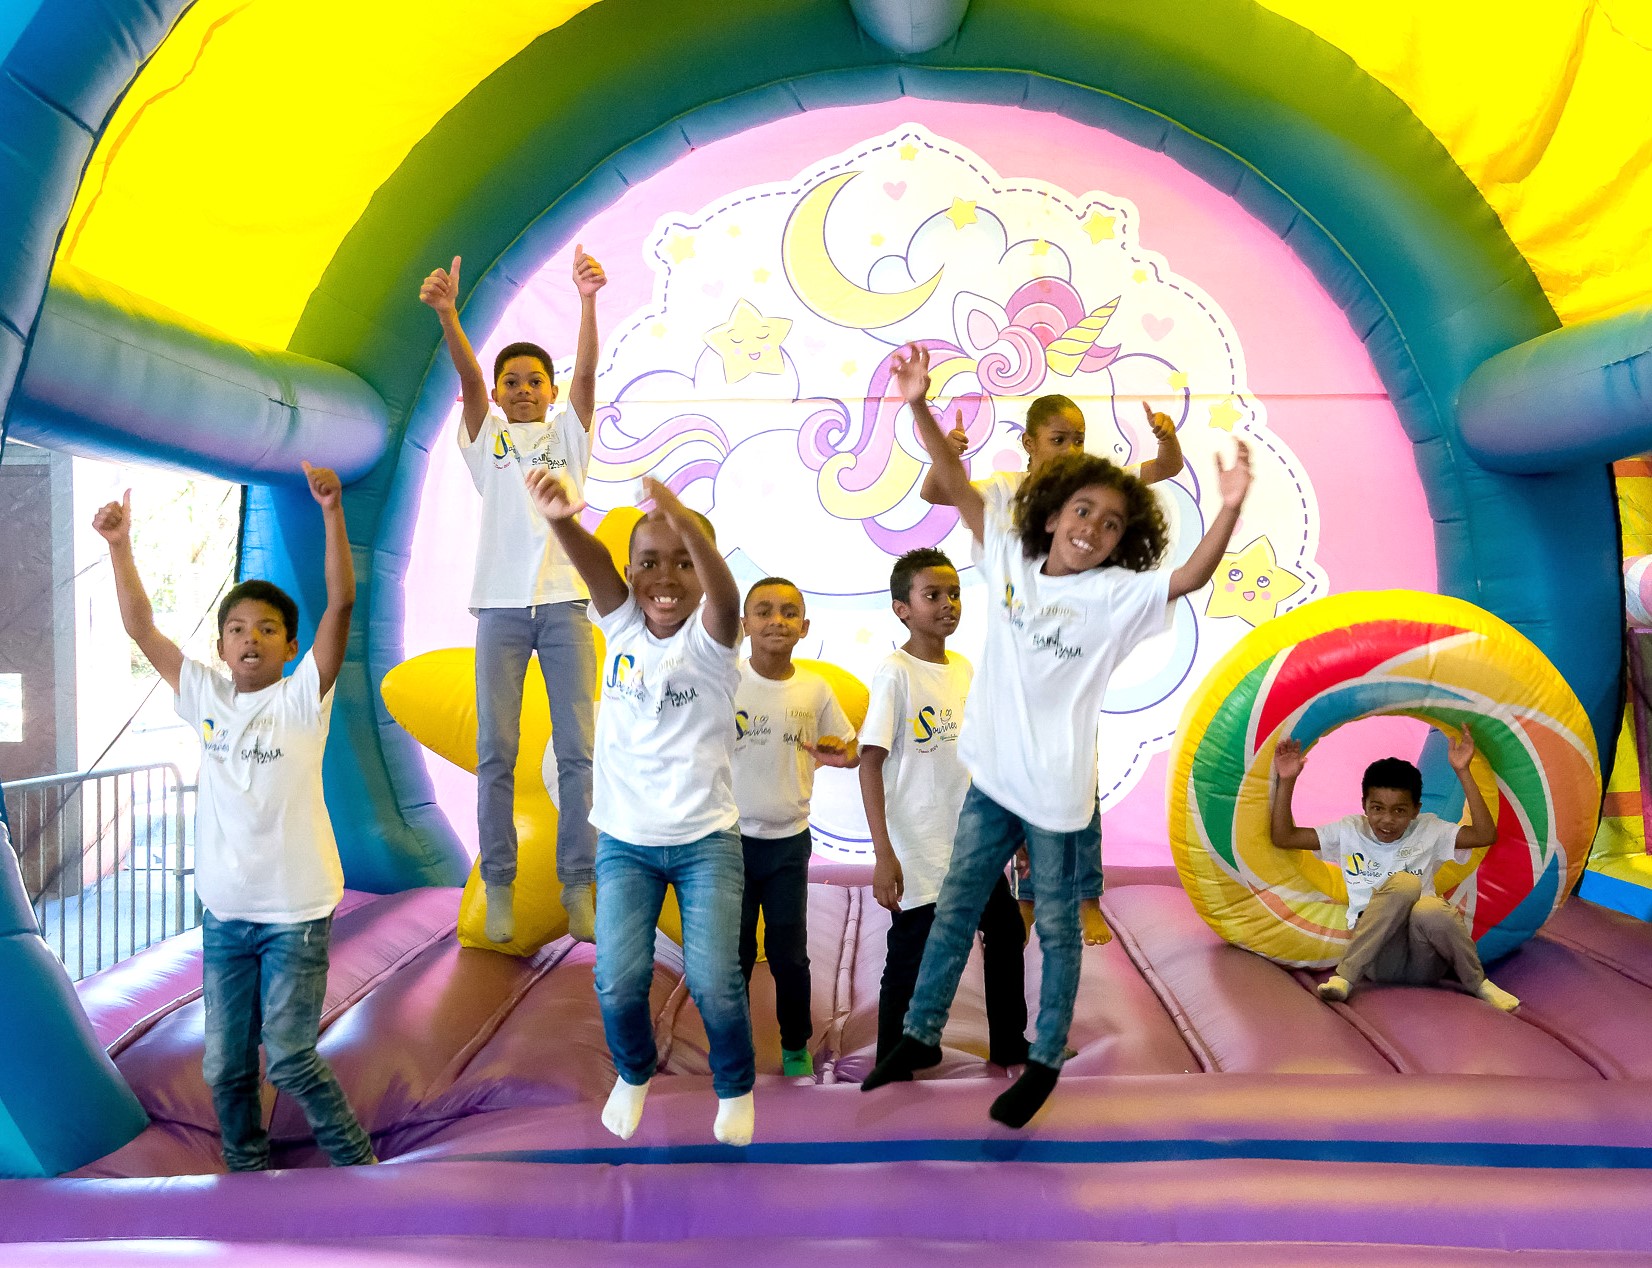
(1362, 655)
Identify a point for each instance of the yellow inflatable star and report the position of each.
(1250, 584)
(749, 342)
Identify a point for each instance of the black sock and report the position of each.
(1016, 1106)
(1014, 1052)
(904, 1058)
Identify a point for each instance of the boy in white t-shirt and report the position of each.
(1075, 586)
(528, 599)
(786, 722)
(1055, 427)
(266, 864)
(913, 784)
(664, 800)
(1403, 931)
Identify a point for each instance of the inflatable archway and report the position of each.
(1319, 131)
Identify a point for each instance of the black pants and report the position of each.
(1003, 938)
(777, 882)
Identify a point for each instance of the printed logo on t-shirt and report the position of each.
(932, 727)
(674, 698)
(1013, 607)
(624, 678)
(798, 730)
(752, 727)
(214, 741)
(504, 450)
(1051, 642)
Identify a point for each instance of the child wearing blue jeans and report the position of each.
(664, 797)
(1075, 586)
(528, 599)
(266, 863)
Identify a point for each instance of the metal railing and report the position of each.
(107, 858)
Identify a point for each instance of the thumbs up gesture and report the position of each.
(588, 275)
(113, 521)
(441, 289)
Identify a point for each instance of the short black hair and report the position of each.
(1392, 772)
(761, 582)
(1045, 408)
(262, 592)
(910, 565)
(1045, 492)
(658, 517)
(523, 349)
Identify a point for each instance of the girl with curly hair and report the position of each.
(1075, 587)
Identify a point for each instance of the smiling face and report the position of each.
(662, 577)
(524, 390)
(1060, 433)
(774, 619)
(1086, 530)
(255, 645)
(935, 604)
(1390, 811)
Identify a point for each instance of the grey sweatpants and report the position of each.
(1408, 937)
(560, 635)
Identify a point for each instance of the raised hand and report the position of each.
(665, 501)
(828, 750)
(1289, 759)
(910, 368)
(1234, 480)
(113, 520)
(441, 289)
(1164, 430)
(888, 882)
(550, 496)
(958, 438)
(325, 486)
(588, 275)
(1461, 750)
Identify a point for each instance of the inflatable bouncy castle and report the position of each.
(1401, 255)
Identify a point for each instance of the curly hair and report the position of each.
(1044, 493)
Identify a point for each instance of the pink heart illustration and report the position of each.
(894, 188)
(1157, 327)
(715, 289)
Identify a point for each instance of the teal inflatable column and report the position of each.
(62, 1102)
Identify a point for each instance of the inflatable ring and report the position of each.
(1361, 655)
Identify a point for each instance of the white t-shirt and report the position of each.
(664, 744)
(1052, 643)
(998, 491)
(1367, 862)
(773, 777)
(264, 846)
(915, 712)
(518, 561)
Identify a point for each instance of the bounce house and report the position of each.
(1401, 253)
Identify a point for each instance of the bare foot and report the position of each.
(1096, 932)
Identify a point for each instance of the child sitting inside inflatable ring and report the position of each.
(1402, 931)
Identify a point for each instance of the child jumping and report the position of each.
(266, 863)
(1075, 587)
(527, 598)
(1055, 428)
(664, 798)
(913, 784)
(1403, 932)
(786, 722)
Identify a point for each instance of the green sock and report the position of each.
(796, 1061)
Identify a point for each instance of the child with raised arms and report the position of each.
(266, 863)
(527, 598)
(913, 784)
(1055, 428)
(1074, 587)
(1403, 931)
(663, 803)
(786, 722)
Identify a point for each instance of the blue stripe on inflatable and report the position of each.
(1617, 893)
(1343, 704)
(1526, 919)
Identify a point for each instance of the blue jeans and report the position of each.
(987, 838)
(560, 635)
(709, 876)
(270, 980)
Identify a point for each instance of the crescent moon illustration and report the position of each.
(821, 285)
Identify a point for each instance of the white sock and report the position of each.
(1335, 988)
(499, 924)
(736, 1119)
(623, 1111)
(1497, 997)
